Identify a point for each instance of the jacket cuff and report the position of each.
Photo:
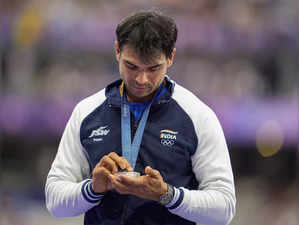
(177, 198)
(88, 194)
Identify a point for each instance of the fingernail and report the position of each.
(118, 178)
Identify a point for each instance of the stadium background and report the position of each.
(240, 57)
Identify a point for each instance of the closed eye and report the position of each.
(130, 66)
(155, 68)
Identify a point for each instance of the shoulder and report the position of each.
(192, 105)
(89, 104)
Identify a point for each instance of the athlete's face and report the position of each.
(141, 80)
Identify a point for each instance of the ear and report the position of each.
(171, 58)
(117, 51)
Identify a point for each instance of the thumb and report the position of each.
(152, 173)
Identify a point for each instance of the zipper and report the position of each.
(124, 214)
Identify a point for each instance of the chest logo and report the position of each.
(99, 133)
(168, 137)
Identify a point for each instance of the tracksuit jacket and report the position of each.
(182, 139)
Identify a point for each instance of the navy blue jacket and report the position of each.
(183, 139)
(172, 160)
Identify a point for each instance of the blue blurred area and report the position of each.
(240, 57)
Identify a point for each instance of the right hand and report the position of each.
(108, 165)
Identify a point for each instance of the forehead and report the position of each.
(130, 54)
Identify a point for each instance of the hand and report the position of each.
(150, 186)
(107, 166)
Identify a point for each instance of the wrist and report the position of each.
(94, 190)
(177, 198)
(167, 196)
(89, 194)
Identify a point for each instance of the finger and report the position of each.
(100, 180)
(121, 161)
(108, 163)
(100, 176)
(103, 171)
(152, 173)
(117, 185)
(130, 181)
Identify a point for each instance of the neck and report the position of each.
(142, 99)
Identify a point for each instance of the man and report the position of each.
(178, 145)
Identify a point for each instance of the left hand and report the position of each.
(150, 186)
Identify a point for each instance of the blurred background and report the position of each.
(240, 57)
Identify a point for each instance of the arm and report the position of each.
(214, 201)
(68, 189)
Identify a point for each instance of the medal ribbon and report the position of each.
(130, 150)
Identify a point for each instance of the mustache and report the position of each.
(146, 85)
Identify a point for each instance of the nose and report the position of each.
(142, 78)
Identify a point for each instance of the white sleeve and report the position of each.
(67, 190)
(214, 201)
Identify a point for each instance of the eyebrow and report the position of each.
(150, 67)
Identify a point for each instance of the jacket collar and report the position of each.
(113, 92)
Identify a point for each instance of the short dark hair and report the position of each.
(149, 32)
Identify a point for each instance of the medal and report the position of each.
(128, 174)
